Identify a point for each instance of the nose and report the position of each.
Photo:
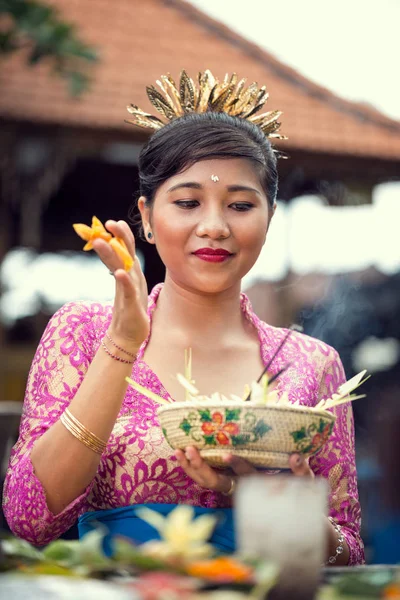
(213, 225)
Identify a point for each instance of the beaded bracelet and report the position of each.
(340, 539)
(119, 347)
(115, 357)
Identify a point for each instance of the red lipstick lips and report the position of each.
(212, 254)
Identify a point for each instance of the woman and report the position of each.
(208, 194)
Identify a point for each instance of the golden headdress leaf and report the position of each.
(247, 99)
(259, 101)
(169, 83)
(143, 119)
(208, 95)
(186, 93)
(268, 117)
(160, 103)
(206, 85)
(219, 97)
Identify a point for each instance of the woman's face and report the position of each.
(209, 224)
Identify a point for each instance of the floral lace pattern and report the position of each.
(137, 466)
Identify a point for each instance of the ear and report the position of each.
(144, 210)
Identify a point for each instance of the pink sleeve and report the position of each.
(58, 368)
(336, 462)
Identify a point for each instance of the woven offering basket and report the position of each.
(264, 435)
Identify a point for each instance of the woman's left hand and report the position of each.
(299, 466)
(207, 477)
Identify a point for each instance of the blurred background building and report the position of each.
(332, 260)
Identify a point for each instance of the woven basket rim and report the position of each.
(217, 405)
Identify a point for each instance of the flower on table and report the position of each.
(159, 584)
(392, 591)
(221, 569)
(183, 537)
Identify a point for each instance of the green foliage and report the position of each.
(209, 440)
(39, 29)
(239, 440)
(363, 585)
(299, 435)
(232, 414)
(62, 551)
(125, 553)
(261, 428)
(15, 547)
(185, 426)
(83, 558)
(205, 415)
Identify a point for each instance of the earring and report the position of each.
(149, 235)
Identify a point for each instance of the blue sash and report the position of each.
(124, 522)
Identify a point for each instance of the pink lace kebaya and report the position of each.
(138, 465)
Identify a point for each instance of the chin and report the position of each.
(212, 285)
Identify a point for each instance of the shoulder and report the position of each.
(303, 342)
(76, 315)
(84, 309)
(309, 363)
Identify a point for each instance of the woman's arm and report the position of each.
(336, 462)
(62, 463)
(49, 467)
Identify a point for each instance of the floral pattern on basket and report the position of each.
(312, 438)
(224, 427)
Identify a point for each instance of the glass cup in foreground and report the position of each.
(281, 519)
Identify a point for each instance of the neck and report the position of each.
(195, 314)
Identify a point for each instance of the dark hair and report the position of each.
(195, 137)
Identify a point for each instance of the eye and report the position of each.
(187, 203)
(242, 206)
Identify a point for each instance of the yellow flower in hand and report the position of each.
(89, 234)
(98, 231)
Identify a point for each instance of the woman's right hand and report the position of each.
(130, 323)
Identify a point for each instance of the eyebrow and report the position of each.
(197, 186)
(187, 184)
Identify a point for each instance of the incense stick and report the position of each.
(283, 342)
(279, 373)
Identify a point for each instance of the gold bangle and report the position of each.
(84, 437)
(81, 433)
(86, 433)
(83, 428)
(79, 436)
(232, 488)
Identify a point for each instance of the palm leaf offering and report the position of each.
(260, 392)
(263, 425)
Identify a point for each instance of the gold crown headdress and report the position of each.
(229, 96)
